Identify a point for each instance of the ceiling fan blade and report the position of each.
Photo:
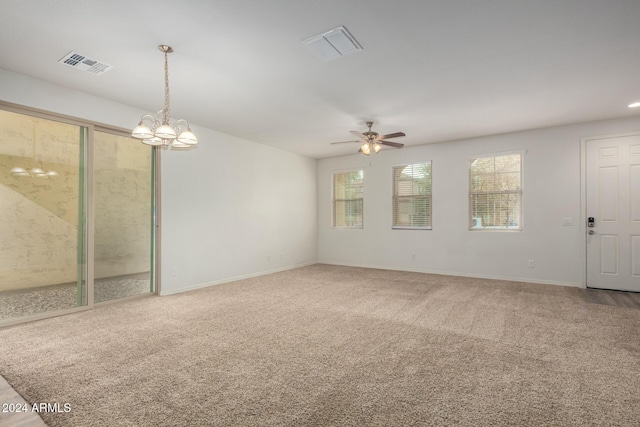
(344, 142)
(358, 134)
(391, 144)
(390, 135)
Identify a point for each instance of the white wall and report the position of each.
(551, 183)
(231, 208)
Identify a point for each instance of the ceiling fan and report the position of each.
(372, 141)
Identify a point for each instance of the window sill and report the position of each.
(410, 228)
(493, 229)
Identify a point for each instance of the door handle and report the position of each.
(591, 232)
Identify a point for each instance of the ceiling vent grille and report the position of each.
(81, 62)
(333, 44)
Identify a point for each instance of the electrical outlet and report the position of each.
(567, 221)
(413, 257)
(174, 271)
(532, 263)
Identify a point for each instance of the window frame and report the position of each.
(394, 197)
(519, 192)
(334, 200)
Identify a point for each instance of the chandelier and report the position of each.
(37, 170)
(159, 132)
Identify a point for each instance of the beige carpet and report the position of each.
(328, 345)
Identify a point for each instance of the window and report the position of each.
(495, 192)
(347, 199)
(412, 196)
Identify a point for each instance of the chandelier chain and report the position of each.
(165, 116)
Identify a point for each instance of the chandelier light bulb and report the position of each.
(165, 132)
(142, 131)
(154, 141)
(185, 136)
(178, 144)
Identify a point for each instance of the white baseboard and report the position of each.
(378, 267)
(457, 273)
(233, 279)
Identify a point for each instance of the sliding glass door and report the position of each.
(77, 215)
(43, 212)
(123, 189)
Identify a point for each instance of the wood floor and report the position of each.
(607, 297)
(12, 407)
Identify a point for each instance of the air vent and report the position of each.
(81, 62)
(333, 44)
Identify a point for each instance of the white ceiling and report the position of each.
(436, 69)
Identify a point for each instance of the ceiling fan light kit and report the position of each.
(368, 147)
(158, 132)
(373, 141)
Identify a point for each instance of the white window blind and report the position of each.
(412, 196)
(348, 199)
(495, 192)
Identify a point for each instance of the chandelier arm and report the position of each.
(151, 119)
(183, 122)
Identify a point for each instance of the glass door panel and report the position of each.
(42, 215)
(123, 186)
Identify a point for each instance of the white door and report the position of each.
(613, 201)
